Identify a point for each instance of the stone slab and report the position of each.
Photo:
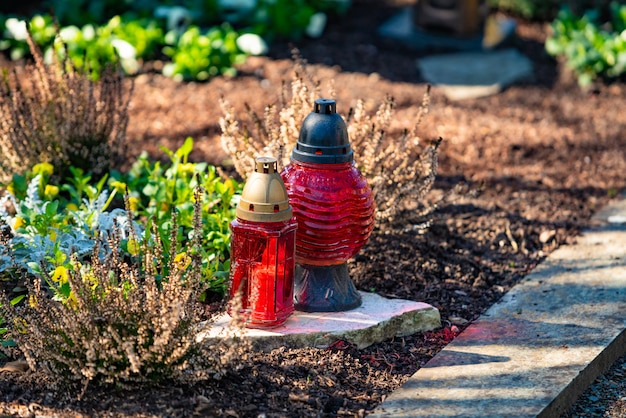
(469, 75)
(376, 320)
(535, 351)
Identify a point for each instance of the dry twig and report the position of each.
(57, 114)
(400, 171)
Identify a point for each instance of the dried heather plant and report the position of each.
(277, 131)
(128, 320)
(57, 114)
(401, 171)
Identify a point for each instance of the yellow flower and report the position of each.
(230, 184)
(11, 189)
(187, 168)
(182, 261)
(19, 222)
(32, 301)
(71, 206)
(51, 191)
(59, 275)
(133, 202)
(53, 235)
(72, 301)
(119, 186)
(20, 325)
(132, 247)
(43, 169)
(89, 277)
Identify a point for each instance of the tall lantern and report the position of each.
(262, 249)
(334, 208)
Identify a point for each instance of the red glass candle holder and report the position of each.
(263, 250)
(334, 207)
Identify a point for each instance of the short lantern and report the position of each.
(334, 207)
(262, 249)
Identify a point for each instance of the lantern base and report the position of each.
(324, 289)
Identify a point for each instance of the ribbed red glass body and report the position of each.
(262, 267)
(334, 207)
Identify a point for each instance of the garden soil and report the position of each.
(532, 164)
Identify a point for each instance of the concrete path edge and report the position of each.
(538, 348)
(597, 367)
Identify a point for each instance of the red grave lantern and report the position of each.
(262, 249)
(334, 208)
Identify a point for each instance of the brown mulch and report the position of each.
(544, 155)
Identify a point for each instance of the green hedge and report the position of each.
(590, 45)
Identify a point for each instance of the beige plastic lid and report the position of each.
(264, 197)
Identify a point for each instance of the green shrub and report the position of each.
(112, 295)
(88, 47)
(91, 48)
(286, 19)
(145, 35)
(200, 55)
(15, 35)
(128, 320)
(97, 33)
(155, 190)
(48, 222)
(591, 48)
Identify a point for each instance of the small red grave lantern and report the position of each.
(334, 207)
(262, 249)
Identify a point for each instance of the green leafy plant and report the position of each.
(157, 190)
(94, 47)
(129, 319)
(50, 224)
(145, 35)
(591, 49)
(15, 34)
(200, 55)
(282, 18)
(94, 34)
(90, 46)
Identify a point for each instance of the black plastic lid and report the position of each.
(323, 136)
